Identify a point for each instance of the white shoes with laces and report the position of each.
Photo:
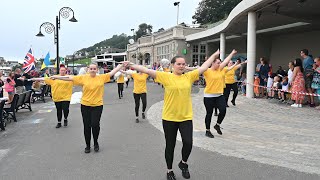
(296, 105)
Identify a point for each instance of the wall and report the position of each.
(287, 47)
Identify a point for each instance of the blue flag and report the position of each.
(46, 61)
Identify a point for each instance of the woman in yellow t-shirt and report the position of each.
(213, 92)
(120, 81)
(61, 95)
(231, 82)
(92, 100)
(177, 109)
(139, 91)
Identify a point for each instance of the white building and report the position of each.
(165, 44)
(275, 29)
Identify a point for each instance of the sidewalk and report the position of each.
(259, 130)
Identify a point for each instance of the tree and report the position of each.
(144, 29)
(160, 30)
(211, 11)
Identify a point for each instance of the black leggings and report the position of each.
(120, 89)
(227, 90)
(137, 97)
(91, 120)
(214, 102)
(170, 132)
(127, 83)
(62, 106)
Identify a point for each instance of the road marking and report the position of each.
(32, 121)
(295, 152)
(76, 98)
(3, 153)
(44, 111)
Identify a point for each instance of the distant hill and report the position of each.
(117, 43)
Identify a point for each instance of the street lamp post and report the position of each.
(133, 34)
(177, 4)
(65, 13)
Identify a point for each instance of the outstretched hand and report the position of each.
(234, 52)
(217, 52)
(126, 63)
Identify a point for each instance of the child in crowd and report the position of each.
(256, 85)
(285, 89)
(243, 83)
(276, 85)
(269, 84)
(316, 77)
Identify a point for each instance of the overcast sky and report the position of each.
(98, 20)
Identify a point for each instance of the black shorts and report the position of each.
(308, 81)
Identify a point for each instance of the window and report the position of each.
(195, 58)
(164, 52)
(202, 58)
(203, 49)
(195, 49)
(158, 50)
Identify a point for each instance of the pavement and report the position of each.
(34, 149)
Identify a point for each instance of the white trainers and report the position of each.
(295, 105)
(300, 105)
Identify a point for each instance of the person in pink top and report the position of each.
(9, 86)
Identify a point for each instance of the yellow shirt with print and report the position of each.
(139, 83)
(177, 95)
(120, 78)
(60, 90)
(229, 77)
(93, 88)
(215, 81)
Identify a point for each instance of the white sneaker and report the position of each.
(295, 105)
(300, 105)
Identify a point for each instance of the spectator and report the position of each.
(237, 72)
(298, 84)
(27, 84)
(243, 83)
(270, 84)
(256, 85)
(316, 77)
(243, 69)
(281, 72)
(285, 89)
(308, 73)
(19, 81)
(9, 86)
(275, 86)
(46, 73)
(263, 74)
(290, 71)
(1, 84)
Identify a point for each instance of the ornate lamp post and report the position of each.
(49, 28)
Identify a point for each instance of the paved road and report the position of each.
(260, 130)
(34, 149)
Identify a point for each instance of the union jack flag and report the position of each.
(28, 63)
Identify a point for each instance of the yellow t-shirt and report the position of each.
(61, 90)
(215, 81)
(166, 70)
(177, 95)
(121, 78)
(139, 83)
(229, 78)
(93, 88)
